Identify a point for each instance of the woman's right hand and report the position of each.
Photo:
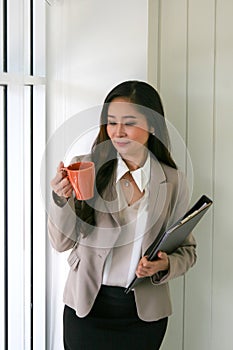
(61, 184)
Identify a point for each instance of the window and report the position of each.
(22, 125)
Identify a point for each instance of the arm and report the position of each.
(62, 216)
(170, 266)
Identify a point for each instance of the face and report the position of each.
(127, 128)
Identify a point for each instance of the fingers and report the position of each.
(60, 183)
(63, 188)
(144, 268)
(148, 268)
(162, 255)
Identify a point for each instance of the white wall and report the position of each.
(92, 46)
(191, 55)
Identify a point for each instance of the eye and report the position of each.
(130, 123)
(111, 123)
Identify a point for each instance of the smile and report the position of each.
(121, 143)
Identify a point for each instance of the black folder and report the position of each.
(169, 240)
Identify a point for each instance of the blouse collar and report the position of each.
(141, 175)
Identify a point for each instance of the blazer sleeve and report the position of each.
(62, 225)
(181, 260)
(62, 221)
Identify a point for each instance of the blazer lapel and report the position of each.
(111, 205)
(158, 204)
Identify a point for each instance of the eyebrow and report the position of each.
(124, 117)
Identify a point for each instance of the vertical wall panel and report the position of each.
(200, 102)
(153, 39)
(172, 86)
(173, 56)
(223, 186)
(199, 89)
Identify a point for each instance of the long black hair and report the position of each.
(147, 100)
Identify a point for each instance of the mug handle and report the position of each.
(65, 169)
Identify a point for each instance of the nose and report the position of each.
(120, 130)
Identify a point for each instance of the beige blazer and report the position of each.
(168, 200)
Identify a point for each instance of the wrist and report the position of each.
(59, 200)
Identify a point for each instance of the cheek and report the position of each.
(140, 135)
(109, 131)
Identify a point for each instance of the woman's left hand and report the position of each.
(148, 268)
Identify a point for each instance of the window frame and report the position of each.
(23, 139)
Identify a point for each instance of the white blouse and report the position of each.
(122, 261)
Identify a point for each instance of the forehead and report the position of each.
(122, 107)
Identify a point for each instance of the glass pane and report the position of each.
(27, 213)
(27, 37)
(15, 217)
(39, 224)
(1, 35)
(39, 38)
(2, 223)
(15, 36)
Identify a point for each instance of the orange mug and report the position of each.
(82, 176)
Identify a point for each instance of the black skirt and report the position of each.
(112, 324)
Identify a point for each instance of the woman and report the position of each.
(139, 192)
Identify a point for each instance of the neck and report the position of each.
(134, 163)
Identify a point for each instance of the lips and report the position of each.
(121, 143)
